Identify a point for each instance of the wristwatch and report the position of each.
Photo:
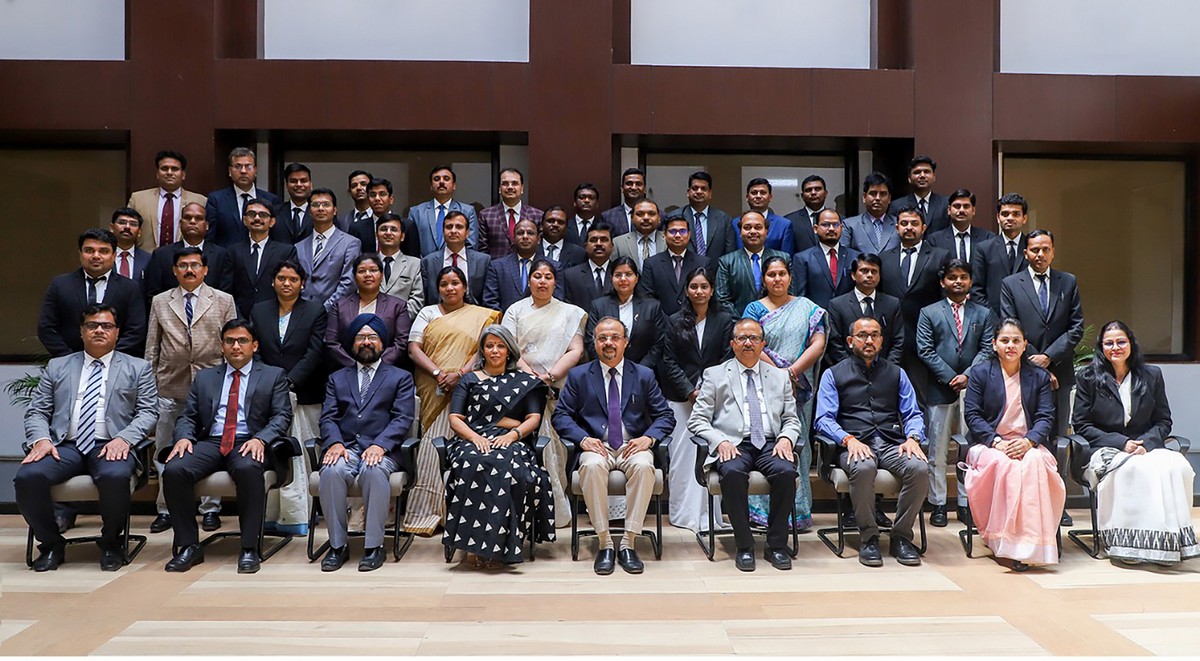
(437, 373)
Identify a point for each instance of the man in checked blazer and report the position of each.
(329, 276)
(495, 233)
(170, 169)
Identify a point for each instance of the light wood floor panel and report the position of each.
(1164, 634)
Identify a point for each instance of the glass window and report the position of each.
(62, 30)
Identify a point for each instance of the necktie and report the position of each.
(229, 431)
(1012, 256)
(678, 267)
(551, 251)
(599, 279)
(188, 310)
(319, 248)
(957, 309)
(361, 216)
(254, 257)
(924, 209)
(296, 219)
(85, 437)
(756, 269)
(1044, 294)
(387, 268)
(645, 250)
(757, 438)
(124, 270)
(868, 306)
(166, 224)
(906, 265)
(701, 243)
(962, 245)
(441, 218)
(584, 230)
(91, 289)
(614, 410)
(833, 265)
(245, 199)
(814, 216)
(364, 383)
(524, 275)
(512, 224)
(878, 226)
(454, 259)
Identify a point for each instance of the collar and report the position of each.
(927, 199)
(964, 303)
(626, 208)
(327, 234)
(858, 293)
(954, 232)
(916, 246)
(592, 266)
(106, 276)
(461, 252)
(188, 245)
(1033, 275)
(620, 369)
(752, 254)
(873, 218)
(131, 250)
(448, 204)
(757, 369)
(516, 208)
(245, 368)
(394, 255)
(238, 193)
(677, 254)
(558, 244)
(195, 292)
(701, 211)
(374, 366)
(178, 193)
(302, 207)
(106, 358)
(261, 244)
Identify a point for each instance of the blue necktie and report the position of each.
(701, 244)
(441, 218)
(524, 275)
(1044, 295)
(85, 436)
(757, 438)
(364, 383)
(614, 410)
(756, 268)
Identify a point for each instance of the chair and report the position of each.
(886, 485)
(616, 487)
(710, 480)
(1078, 454)
(82, 488)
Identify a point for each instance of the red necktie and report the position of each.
(124, 270)
(229, 431)
(166, 224)
(454, 259)
(512, 224)
(833, 264)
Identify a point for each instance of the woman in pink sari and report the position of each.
(1013, 487)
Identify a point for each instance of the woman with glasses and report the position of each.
(368, 277)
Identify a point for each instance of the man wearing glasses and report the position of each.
(255, 259)
(225, 207)
(823, 271)
(664, 276)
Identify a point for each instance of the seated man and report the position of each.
(89, 409)
(613, 411)
(747, 413)
(367, 413)
(869, 407)
(234, 411)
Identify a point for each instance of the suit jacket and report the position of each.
(996, 268)
(582, 408)
(268, 407)
(735, 280)
(779, 233)
(646, 334)
(719, 416)
(937, 216)
(406, 283)
(803, 234)
(284, 230)
(381, 418)
(922, 290)
(176, 352)
(130, 399)
(424, 218)
(570, 255)
(145, 202)
(944, 239)
(720, 237)
(1099, 416)
(329, 276)
(579, 285)
(249, 288)
(618, 222)
(503, 285)
(658, 279)
(58, 323)
(1055, 335)
(160, 274)
(940, 350)
(223, 211)
(137, 270)
(477, 267)
(684, 359)
(394, 313)
(842, 312)
(861, 232)
(301, 352)
(811, 277)
(627, 245)
(493, 228)
(616, 218)
(985, 398)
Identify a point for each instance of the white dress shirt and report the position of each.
(462, 260)
(101, 403)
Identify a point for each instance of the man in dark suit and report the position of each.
(823, 271)
(864, 300)
(1004, 255)
(664, 275)
(115, 411)
(255, 259)
(588, 281)
(381, 199)
(633, 190)
(361, 209)
(498, 222)
(507, 279)
(554, 245)
(874, 230)
(367, 413)
(804, 220)
(293, 220)
(427, 217)
(711, 229)
(130, 261)
(454, 252)
(739, 274)
(779, 230)
(227, 206)
(921, 178)
(193, 227)
(234, 412)
(587, 213)
(962, 239)
(612, 410)
(953, 335)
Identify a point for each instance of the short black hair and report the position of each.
(261, 203)
(93, 309)
(438, 168)
(128, 211)
(867, 258)
(292, 264)
(1013, 198)
(390, 217)
(913, 209)
(875, 179)
(238, 322)
(811, 178)
(366, 257)
(167, 153)
(296, 167)
(702, 176)
(959, 194)
(323, 191)
(585, 186)
(922, 158)
(1036, 233)
(759, 181)
(98, 234)
(952, 264)
(455, 213)
(358, 173)
(375, 183)
(188, 251)
(630, 171)
(599, 226)
(520, 175)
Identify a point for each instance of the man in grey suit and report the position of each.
(327, 253)
(89, 409)
(953, 335)
(874, 230)
(633, 189)
(455, 253)
(712, 234)
(746, 412)
(934, 206)
(429, 216)
(646, 240)
(401, 273)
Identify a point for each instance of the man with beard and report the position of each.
(874, 230)
(823, 271)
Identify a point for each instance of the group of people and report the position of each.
(608, 332)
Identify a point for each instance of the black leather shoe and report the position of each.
(629, 561)
(606, 562)
(868, 553)
(64, 522)
(111, 560)
(744, 560)
(881, 519)
(778, 558)
(849, 521)
(938, 518)
(372, 559)
(335, 559)
(50, 559)
(249, 562)
(189, 557)
(1066, 521)
(161, 523)
(904, 552)
(210, 522)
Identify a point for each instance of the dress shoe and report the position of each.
(249, 562)
(335, 558)
(1066, 521)
(111, 560)
(744, 560)
(189, 557)
(606, 562)
(50, 559)
(161, 523)
(938, 518)
(778, 558)
(849, 521)
(64, 522)
(868, 553)
(372, 559)
(881, 519)
(904, 552)
(210, 522)
(629, 561)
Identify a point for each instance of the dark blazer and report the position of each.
(504, 286)
(842, 312)
(300, 352)
(249, 288)
(284, 230)
(160, 274)
(493, 228)
(924, 288)
(477, 267)
(269, 410)
(579, 285)
(582, 409)
(570, 255)
(1056, 335)
(984, 402)
(735, 280)
(719, 235)
(645, 337)
(996, 268)
(616, 218)
(392, 310)
(58, 322)
(137, 270)
(383, 418)
(684, 361)
(658, 279)
(572, 235)
(944, 239)
(936, 218)
(223, 211)
(812, 280)
(939, 349)
(1099, 417)
(364, 231)
(803, 234)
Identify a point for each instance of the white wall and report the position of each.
(62, 30)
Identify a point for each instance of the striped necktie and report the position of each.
(85, 437)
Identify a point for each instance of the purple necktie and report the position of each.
(614, 410)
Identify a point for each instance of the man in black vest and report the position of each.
(869, 407)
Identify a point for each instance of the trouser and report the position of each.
(944, 419)
(639, 486)
(914, 478)
(289, 505)
(179, 485)
(375, 482)
(735, 481)
(169, 410)
(33, 482)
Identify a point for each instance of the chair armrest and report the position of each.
(408, 455)
(963, 445)
(1073, 452)
(1178, 444)
(572, 456)
(286, 447)
(141, 460)
(161, 455)
(26, 447)
(539, 445)
(280, 454)
(313, 447)
(701, 457)
(439, 445)
(662, 455)
(827, 451)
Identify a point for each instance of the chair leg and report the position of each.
(312, 535)
(710, 548)
(658, 525)
(574, 527)
(924, 541)
(131, 553)
(795, 533)
(400, 548)
(823, 533)
(29, 549)
(1076, 534)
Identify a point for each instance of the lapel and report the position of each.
(733, 370)
(1055, 283)
(297, 312)
(329, 246)
(822, 251)
(948, 313)
(921, 258)
(599, 385)
(371, 388)
(114, 373)
(1028, 400)
(175, 302)
(628, 382)
(218, 376)
(204, 301)
(1030, 291)
(74, 371)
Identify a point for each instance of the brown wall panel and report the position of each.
(634, 100)
(865, 103)
(1158, 109)
(1042, 107)
(42, 95)
(715, 100)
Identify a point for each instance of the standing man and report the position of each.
(874, 230)
(779, 229)
(401, 272)
(590, 280)
(554, 245)
(255, 259)
(664, 276)
(326, 254)
(160, 206)
(804, 220)
(711, 229)
(864, 301)
(193, 227)
(739, 274)
(357, 188)
(822, 272)
(454, 252)
(293, 220)
(226, 207)
(381, 199)
(131, 261)
(962, 239)
(633, 189)
(921, 178)
(587, 205)
(498, 222)
(428, 217)
(646, 239)
(507, 278)
(1005, 255)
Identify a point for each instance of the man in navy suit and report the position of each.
(633, 190)
(612, 410)
(130, 260)
(1004, 255)
(255, 259)
(193, 227)
(554, 245)
(804, 219)
(428, 217)
(454, 252)
(962, 239)
(226, 206)
(874, 230)
(711, 231)
(507, 279)
(664, 275)
(587, 203)
(293, 221)
(922, 176)
(822, 272)
(380, 199)
(779, 229)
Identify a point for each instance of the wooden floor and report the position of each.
(684, 604)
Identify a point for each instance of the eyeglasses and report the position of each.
(235, 341)
(609, 338)
(324, 204)
(126, 222)
(372, 270)
(747, 338)
(257, 214)
(677, 231)
(189, 266)
(242, 167)
(363, 337)
(1114, 344)
(99, 325)
(867, 336)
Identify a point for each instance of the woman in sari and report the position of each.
(443, 344)
(1143, 490)
(495, 487)
(1013, 488)
(794, 328)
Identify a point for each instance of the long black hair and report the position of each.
(1101, 365)
(686, 326)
